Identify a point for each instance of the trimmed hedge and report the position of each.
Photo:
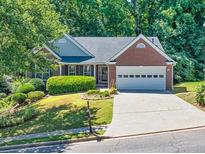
(25, 88)
(35, 95)
(38, 84)
(18, 117)
(66, 84)
(19, 98)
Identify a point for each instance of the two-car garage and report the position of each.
(141, 77)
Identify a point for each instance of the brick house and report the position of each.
(129, 63)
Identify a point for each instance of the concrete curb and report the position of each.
(153, 133)
(53, 133)
(97, 138)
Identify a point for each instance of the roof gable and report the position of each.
(68, 47)
(147, 41)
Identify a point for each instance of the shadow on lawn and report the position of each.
(56, 118)
(179, 90)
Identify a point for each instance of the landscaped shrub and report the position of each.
(19, 98)
(5, 84)
(17, 82)
(25, 88)
(8, 99)
(65, 84)
(113, 91)
(38, 84)
(104, 93)
(18, 117)
(200, 95)
(2, 104)
(2, 95)
(35, 95)
(93, 92)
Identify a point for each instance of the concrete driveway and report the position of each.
(147, 112)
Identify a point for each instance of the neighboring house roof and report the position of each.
(87, 50)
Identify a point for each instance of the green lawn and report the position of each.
(52, 138)
(63, 112)
(187, 86)
(187, 90)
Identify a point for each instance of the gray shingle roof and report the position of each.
(103, 48)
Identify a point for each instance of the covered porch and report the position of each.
(99, 71)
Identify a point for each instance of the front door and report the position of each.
(103, 74)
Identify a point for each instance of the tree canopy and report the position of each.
(25, 25)
(179, 26)
(96, 17)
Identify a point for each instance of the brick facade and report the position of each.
(111, 75)
(142, 57)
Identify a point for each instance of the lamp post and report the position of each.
(89, 117)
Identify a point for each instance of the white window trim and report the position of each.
(72, 72)
(87, 73)
(140, 46)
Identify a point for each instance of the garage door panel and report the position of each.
(145, 78)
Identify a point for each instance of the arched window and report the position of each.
(141, 46)
(62, 41)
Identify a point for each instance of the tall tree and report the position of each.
(25, 25)
(180, 28)
(179, 25)
(96, 17)
(144, 12)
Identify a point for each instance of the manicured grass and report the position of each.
(187, 91)
(63, 112)
(188, 97)
(52, 138)
(187, 86)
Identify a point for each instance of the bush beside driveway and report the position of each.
(187, 91)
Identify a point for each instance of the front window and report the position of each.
(87, 70)
(44, 75)
(71, 70)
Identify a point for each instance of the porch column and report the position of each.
(94, 72)
(60, 69)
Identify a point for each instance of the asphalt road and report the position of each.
(182, 141)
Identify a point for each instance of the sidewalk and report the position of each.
(54, 133)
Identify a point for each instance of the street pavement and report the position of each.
(180, 141)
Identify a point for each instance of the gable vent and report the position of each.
(62, 41)
(141, 46)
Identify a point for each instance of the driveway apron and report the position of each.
(146, 112)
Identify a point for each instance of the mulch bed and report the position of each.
(200, 107)
(95, 97)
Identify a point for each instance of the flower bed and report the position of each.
(98, 95)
